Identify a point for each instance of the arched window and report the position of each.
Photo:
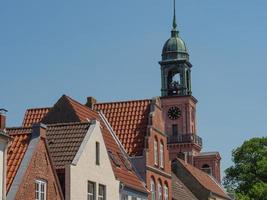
(155, 151)
(160, 192)
(166, 192)
(206, 168)
(152, 189)
(161, 155)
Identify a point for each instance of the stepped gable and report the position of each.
(204, 179)
(34, 115)
(20, 138)
(129, 120)
(180, 191)
(64, 141)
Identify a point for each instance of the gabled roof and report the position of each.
(68, 111)
(34, 115)
(20, 138)
(129, 120)
(180, 191)
(64, 140)
(204, 179)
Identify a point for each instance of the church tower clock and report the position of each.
(178, 104)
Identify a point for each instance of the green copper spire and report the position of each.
(174, 25)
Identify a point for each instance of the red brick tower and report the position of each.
(179, 106)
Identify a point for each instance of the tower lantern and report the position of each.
(175, 65)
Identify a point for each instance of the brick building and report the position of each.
(68, 127)
(202, 185)
(30, 173)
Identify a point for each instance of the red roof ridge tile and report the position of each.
(125, 101)
(37, 108)
(71, 100)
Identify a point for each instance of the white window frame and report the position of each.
(38, 189)
(161, 155)
(166, 192)
(152, 189)
(104, 196)
(156, 152)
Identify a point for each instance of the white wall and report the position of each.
(3, 146)
(84, 169)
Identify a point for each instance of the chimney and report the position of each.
(39, 130)
(2, 118)
(90, 102)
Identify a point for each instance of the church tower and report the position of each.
(179, 106)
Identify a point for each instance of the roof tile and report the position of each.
(16, 151)
(129, 120)
(204, 179)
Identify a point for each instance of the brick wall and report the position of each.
(39, 168)
(156, 132)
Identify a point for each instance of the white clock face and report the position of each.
(174, 113)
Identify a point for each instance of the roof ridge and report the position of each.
(67, 123)
(71, 100)
(34, 108)
(202, 173)
(18, 128)
(125, 101)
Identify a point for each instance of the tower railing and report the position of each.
(185, 138)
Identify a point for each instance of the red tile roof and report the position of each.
(67, 133)
(16, 151)
(204, 179)
(129, 120)
(126, 176)
(34, 115)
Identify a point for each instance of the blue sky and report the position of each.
(110, 50)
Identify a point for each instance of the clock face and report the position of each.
(174, 113)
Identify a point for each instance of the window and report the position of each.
(174, 130)
(91, 194)
(40, 190)
(97, 153)
(152, 190)
(206, 168)
(161, 155)
(159, 191)
(125, 197)
(156, 152)
(114, 159)
(101, 192)
(166, 192)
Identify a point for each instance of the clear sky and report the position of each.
(110, 50)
